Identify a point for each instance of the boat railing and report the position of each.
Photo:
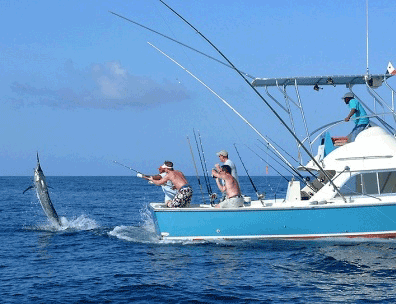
(377, 116)
(328, 126)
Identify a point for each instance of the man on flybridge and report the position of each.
(356, 112)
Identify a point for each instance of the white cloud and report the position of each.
(107, 85)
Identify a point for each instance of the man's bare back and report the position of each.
(176, 177)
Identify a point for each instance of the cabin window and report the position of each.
(387, 182)
(353, 186)
(370, 183)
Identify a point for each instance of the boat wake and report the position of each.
(134, 234)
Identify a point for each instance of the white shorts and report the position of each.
(233, 202)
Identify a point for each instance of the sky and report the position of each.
(83, 88)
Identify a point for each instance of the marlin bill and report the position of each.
(42, 193)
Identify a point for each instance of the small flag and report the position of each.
(266, 169)
(391, 70)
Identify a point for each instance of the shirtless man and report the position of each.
(223, 156)
(184, 190)
(168, 188)
(234, 198)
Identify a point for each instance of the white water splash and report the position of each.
(78, 223)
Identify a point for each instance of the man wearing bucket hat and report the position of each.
(357, 111)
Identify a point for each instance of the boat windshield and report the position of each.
(373, 183)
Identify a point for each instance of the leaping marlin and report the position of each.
(43, 195)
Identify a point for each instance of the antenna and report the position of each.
(367, 40)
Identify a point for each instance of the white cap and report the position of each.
(223, 153)
(348, 95)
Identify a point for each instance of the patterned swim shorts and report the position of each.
(182, 198)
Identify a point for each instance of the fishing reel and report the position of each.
(261, 196)
(212, 198)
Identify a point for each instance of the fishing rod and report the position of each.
(182, 44)
(264, 100)
(204, 160)
(196, 170)
(212, 195)
(207, 182)
(116, 162)
(260, 196)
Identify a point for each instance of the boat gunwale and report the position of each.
(329, 205)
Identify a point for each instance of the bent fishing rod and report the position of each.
(260, 196)
(263, 99)
(196, 170)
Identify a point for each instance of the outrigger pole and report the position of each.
(260, 196)
(182, 44)
(263, 99)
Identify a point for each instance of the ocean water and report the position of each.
(108, 252)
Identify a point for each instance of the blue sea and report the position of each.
(108, 252)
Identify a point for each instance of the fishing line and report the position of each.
(299, 176)
(269, 164)
(263, 99)
(309, 171)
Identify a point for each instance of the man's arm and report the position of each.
(353, 111)
(220, 186)
(160, 181)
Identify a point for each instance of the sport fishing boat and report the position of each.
(353, 193)
(353, 189)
